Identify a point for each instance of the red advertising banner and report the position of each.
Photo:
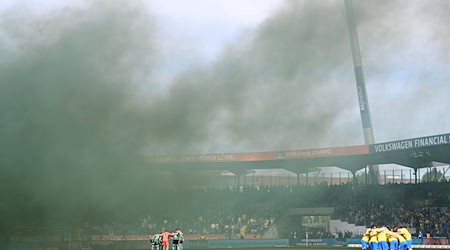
(147, 237)
(261, 156)
(204, 237)
(106, 237)
(138, 237)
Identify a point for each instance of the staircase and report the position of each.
(342, 226)
(271, 233)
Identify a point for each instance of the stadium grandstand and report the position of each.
(244, 206)
(222, 201)
(417, 154)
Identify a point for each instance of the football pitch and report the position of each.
(270, 248)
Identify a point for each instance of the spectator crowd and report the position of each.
(238, 212)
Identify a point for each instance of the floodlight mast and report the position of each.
(361, 87)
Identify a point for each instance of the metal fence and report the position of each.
(333, 178)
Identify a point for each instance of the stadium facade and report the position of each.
(414, 153)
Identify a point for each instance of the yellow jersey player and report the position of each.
(382, 238)
(365, 239)
(391, 239)
(402, 244)
(405, 233)
(373, 239)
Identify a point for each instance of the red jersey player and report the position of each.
(165, 239)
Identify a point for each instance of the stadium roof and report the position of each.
(415, 153)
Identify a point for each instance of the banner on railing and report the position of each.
(248, 243)
(313, 242)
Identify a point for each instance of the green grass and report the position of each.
(270, 248)
(274, 248)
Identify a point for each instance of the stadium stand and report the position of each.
(249, 212)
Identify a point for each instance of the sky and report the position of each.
(402, 57)
(403, 49)
(205, 27)
(86, 87)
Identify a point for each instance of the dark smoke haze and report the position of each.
(71, 121)
(74, 119)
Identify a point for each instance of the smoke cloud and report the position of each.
(71, 119)
(274, 88)
(79, 100)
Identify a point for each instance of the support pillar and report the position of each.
(415, 175)
(238, 173)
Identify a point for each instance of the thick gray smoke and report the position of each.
(73, 123)
(71, 120)
(273, 89)
(290, 83)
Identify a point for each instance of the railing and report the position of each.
(403, 176)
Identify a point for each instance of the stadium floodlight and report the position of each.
(361, 87)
